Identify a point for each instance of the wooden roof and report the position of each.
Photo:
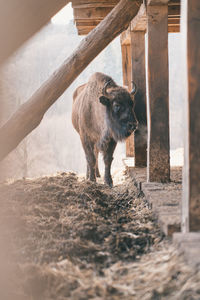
(89, 13)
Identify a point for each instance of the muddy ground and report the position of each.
(63, 237)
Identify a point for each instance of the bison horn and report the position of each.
(104, 90)
(134, 89)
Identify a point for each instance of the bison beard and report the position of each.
(102, 114)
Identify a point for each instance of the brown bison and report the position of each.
(102, 114)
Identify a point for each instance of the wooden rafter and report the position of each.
(90, 13)
(139, 23)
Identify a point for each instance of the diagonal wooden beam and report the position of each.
(30, 114)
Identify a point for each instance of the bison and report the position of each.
(102, 114)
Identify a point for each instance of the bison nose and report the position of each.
(132, 126)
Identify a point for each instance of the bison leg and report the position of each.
(97, 171)
(87, 172)
(108, 158)
(88, 147)
(96, 151)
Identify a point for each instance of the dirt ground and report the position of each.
(63, 237)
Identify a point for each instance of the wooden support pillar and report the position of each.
(126, 70)
(158, 165)
(126, 65)
(191, 175)
(139, 77)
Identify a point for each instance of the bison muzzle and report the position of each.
(102, 114)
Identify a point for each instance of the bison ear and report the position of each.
(105, 101)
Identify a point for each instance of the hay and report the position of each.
(73, 239)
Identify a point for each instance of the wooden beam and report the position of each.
(157, 2)
(20, 19)
(173, 21)
(174, 2)
(158, 168)
(174, 10)
(173, 28)
(125, 37)
(78, 4)
(91, 13)
(139, 22)
(191, 178)
(139, 77)
(126, 70)
(86, 23)
(30, 114)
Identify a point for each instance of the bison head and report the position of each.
(120, 113)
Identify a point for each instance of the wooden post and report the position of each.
(139, 77)
(126, 65)
(126, 70)
(30, 114)
(158, 168)
(191, 174)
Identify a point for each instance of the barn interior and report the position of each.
(62, 236)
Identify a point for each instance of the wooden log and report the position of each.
(20, 19)
(191, 174)
(158, 166)
(139, 77)
(126, 70)
(30, 114)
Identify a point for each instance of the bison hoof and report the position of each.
(97, 173)
(109, 182)
(92, 178)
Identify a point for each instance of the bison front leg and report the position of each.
(88, 147)
(108, 158)
(88, 171)
(96, 152)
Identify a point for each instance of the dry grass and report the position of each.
(66, 238)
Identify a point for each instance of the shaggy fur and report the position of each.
(102, 119)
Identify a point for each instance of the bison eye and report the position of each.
(116, 107)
